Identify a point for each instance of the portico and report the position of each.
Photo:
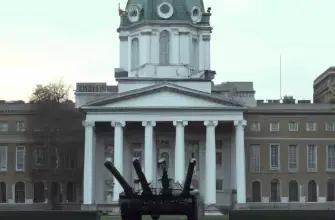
(150, 120)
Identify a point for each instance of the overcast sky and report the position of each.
(44, 40)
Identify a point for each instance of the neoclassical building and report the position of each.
(163, 106)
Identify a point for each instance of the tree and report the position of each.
(56, 129)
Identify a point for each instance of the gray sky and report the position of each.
(44, 40)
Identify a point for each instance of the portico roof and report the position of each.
(163, 95)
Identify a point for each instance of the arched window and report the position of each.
(39, 192)
(275, 190)
(20, 192)
(293, 191)
(135, 53)
(3, 194)
(71, 192)
(256, 191)
(312, 191)
(164, 48)
(331, 191)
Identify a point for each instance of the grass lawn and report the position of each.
(169, 218)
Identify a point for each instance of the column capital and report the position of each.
(180, 122)
(240, 123)
(211, 123)
(148, 123)
(118, 123)
(88, 123)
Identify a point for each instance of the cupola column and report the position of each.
(207, 51)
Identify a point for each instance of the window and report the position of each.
(164, 48)
(292, 158)
(274, 191)
(3, 158)
(219, 184)
(3, 194)
(255, 126)
(195, 53)
(331, 157)
(331, 191)
(312, 191)
(330, 126)
(311, 157)
(71, 192)
(310, 126)
(20, 192)
(20, 126)
(293, 126)
(135, 53)
(255, 159)
(256, 191)
(38, 156)
(274, 126)
(20, 158)
(274, 157)
(39, 190)
(293, 191)
(218, 158)
(70, 160)
(3, 126)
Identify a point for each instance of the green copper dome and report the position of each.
(169, 12)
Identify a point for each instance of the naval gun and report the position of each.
(156, 201)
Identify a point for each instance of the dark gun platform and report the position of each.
(160, 202)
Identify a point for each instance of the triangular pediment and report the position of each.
(164, 95)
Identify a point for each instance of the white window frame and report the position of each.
(292, 170)
(330, 126)
(164, 53)
(255, 126)
(135, 53)
(24, 158)
(271, 126)
(314, 126)
(36, 151)
(4, 165)
(255, 163)
(219, 179)
(19, 128)
(314, 169)
(293, 122)
(332, 169)
(272, 168)
(4, 123)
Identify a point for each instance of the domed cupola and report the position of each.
(168, 12)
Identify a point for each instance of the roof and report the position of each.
(239, 86)
(324, 75)
(149, 15)
(163, 86)
(299, 108)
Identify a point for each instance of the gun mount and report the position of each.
(156, 201)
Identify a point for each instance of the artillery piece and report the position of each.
(163, 201)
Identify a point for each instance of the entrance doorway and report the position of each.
(56, 193)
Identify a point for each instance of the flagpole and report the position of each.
(280, 76)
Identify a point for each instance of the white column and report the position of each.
(207, 51)
(175, 47)
(240, 161)
(180, 151)
(88, 162)
(148, 149)
(118, 155)
(210, 194)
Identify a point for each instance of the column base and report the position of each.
(212, 210)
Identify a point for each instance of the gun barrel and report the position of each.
(128, 191)
(188, 179)
(141, 177)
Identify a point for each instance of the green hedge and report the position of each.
(282, 215)
(48, 215)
